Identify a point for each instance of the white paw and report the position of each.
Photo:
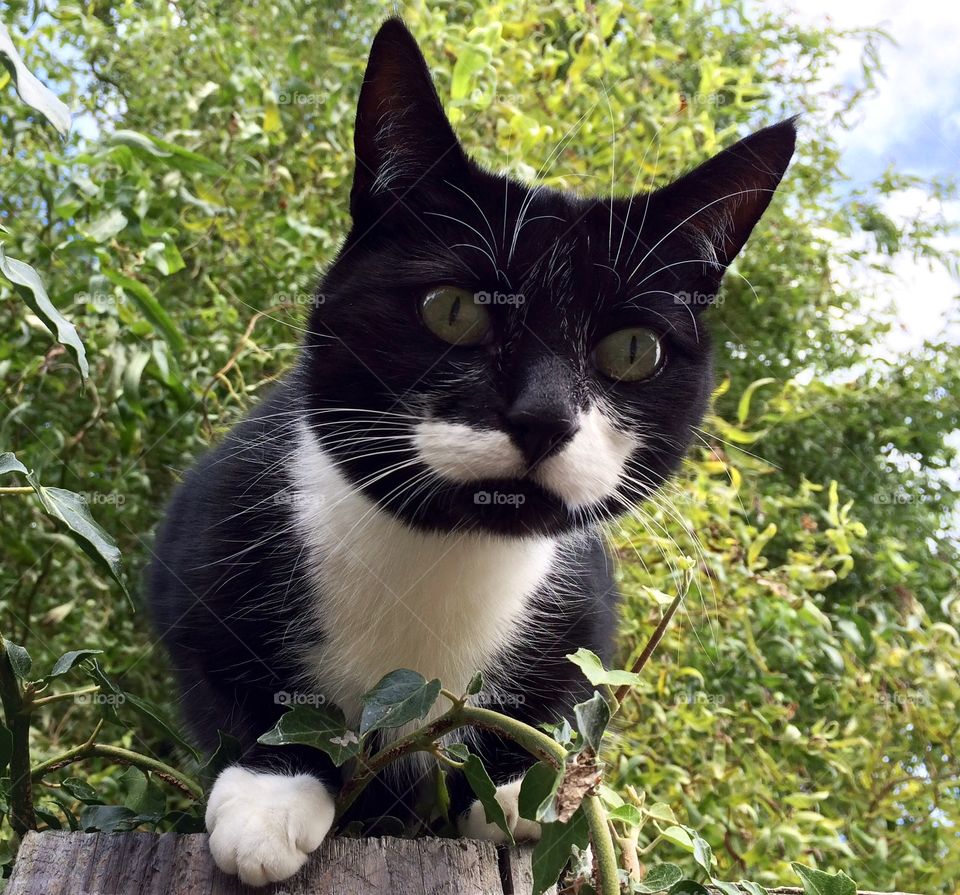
(263, 826)
(473, 823)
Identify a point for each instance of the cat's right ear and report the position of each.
(402, 135)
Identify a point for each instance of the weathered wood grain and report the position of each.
(63, 863)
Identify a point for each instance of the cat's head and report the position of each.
(487, 355)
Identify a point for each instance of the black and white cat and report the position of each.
(493, 370)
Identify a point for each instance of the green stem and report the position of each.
(22, 817)
(604, 855)
(534, 741)
(16, 489)
(58, 697)
(123, 756)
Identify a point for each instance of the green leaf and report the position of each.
(592, 716)
(399, 697)
(165, 256)
(628, 814)
(30, 287)
(727, 888)
(69, 659)
(176, 156)
(70, 510)
(537, 791)
(702, 854)
(743, 407)
(457, 751)
(486, 793)
(322, 727)
(752, 888)
(106, 226)
(156, 718)
(475, 685)
(228, 752)
(688, 887)
(150, 307)
(589, 663)
(551, 853)
(660, 877)
(81, 791)
(816, 882)
(20, 660)
(9, 463)
(30, 89)
(106, 818)
(679, 837)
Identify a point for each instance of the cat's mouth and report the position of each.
(584, 472)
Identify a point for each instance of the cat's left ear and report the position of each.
(714, 208)
(402, 135)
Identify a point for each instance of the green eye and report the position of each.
(455, 316)
(629, 355)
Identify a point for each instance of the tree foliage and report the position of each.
(805, 706)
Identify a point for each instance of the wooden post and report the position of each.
(63, 863)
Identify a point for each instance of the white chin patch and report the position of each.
(586, 471)
(589, 468)
(461, 453)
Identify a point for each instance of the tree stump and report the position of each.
(63, 863)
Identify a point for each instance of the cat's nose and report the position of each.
(540, 430)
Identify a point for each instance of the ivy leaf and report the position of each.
(155, 717)
(589, 663)
(816, 882)
(400, 697)
(30, 89)
(323, 728)
(67, 661)
(627, 814)
(81, 791)
(486, 793)
(475, 685)
(70, 511)
(457, 751)
(752, 888)
(551, 853)
(592, 716)
(20, 660)
(30, 288)
(659, 878)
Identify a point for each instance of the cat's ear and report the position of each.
(402, 135)
(715, 207)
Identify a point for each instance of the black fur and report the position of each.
(227, 590)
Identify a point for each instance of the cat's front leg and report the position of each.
(263, 824)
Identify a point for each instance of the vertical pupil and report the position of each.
(633, 349)
(454, 311)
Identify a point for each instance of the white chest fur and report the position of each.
(391, 597)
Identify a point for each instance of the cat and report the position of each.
(490, 371)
